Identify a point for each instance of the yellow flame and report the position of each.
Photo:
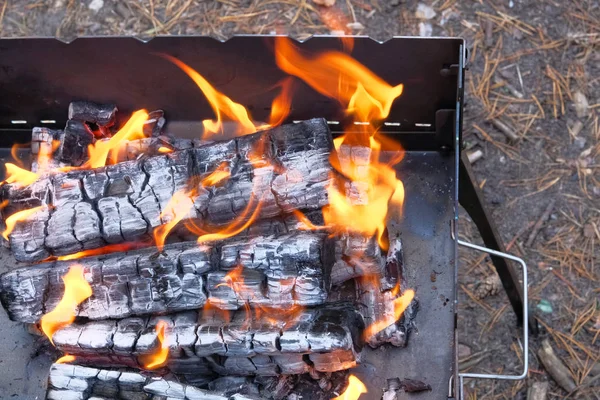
(164, 150)
(159, 357)
(67, 358)
(222, 105)
(18, 175)
(11, 221)
(354, 390)
(400, 304)
(101, 149)
(282, 104)
(77, 289)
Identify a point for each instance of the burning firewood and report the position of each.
(85, 209)
(275, 271)
(268, 342)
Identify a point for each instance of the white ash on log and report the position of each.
(356, 256)
(326, 338)
(87, 111)
(276, 271)
(86, 209)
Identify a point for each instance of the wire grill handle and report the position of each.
(461, 376)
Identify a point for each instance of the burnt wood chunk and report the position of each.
(356, 256)
(123, 202)
(43, 148)
(276, 271)
(74, 143)
(87, 111)
(376, 301)
(325, 339)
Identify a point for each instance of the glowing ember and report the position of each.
(111, 248)
(67, 358)
(100, 151)
(77, 289)
(354, 390)
(18, 175)
(11, 221)
(400, 304)
(159, 357)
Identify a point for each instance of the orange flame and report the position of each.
(18, 175)
(233, 277)
(306, 224)
(354, 390)
(282, 104)
(222, 105)
(67, 358)
(400, 304)
(337, 75)
(367, 99)
(14, 152)
(16, 217)
(45, 154)
(239, 224)
(77, 289)
(217, 176)
(101, 149)
(179, 207)
(159, 357)
(111, 248)
(183, 201)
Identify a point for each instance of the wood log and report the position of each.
(555, 367)
(66, 382)
(74, 142)
(85, 209)
(325, 339)
(376, 301)
(277, 271)
(87, 111)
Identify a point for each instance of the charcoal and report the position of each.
(126, 199)
(74, 143)
(278, 271)
(87, 111)
(203, 343)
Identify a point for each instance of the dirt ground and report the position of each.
(531, 113)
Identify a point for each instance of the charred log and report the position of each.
(356, 256)
(42, 142)
(155, 123)
(66, 382)
(87, 111)
(277, 271)
(323, 339)
(86, 209)
(74, 143)
(376, 301)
